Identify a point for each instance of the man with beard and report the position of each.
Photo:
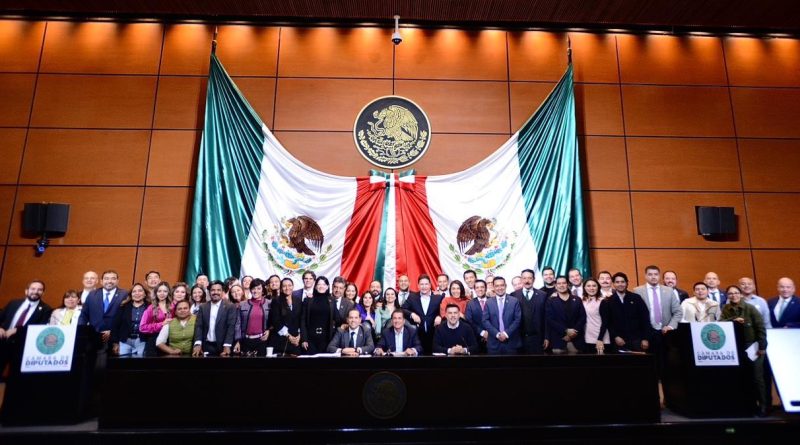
(215, 324)
(403, 291)
(532, 302)
(628, 320)
(341, 306)
(18, 314)
(549, 278)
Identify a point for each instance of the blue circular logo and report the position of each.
(713, 336)
(50, 341)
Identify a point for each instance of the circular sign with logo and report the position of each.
(50, 341)
(392, 132)
(713, 336)
(384, 395)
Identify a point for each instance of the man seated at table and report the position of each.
(454, 337)
(355, 340)
(398, 339)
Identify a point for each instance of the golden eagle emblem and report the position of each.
(301, 229)
(474, 235)
(392, 132)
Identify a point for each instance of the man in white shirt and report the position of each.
(714, 292)
(341, 306)
(403, 290)
(664, 308)
(19, 313)
(575, 282)
(469, 281)
(89, 284)
(215, 324)
(309, 278)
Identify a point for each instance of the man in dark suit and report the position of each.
(102, 305)
(714, 292)
(628, 320)
(474, 314)
(502, 321)
(18, 314)
(340, 306)
(309, 278)
(424, 312)
(355, 339)
(532, 303)
(549, 278)
(399, 340)
(671, 280)
(403, 291)
(215, 324)
(784, 311)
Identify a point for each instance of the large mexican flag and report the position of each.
(259, 211)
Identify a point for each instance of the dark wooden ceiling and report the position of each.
(711, 15)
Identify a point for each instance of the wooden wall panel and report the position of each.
(773, 219)
(525, 100)
(102, 48)
(328, 105)
(20, 45)
(180, 103)
(248, 50)
(187, 49)
(603, 163)
(692, 265)
(598, 109)
(167, 211)
(539, 55)
(61, 268)
(173, 158)
(336, 52)
(13, 142)
(614, 260)
(772, 265)
(451, 153)
(677, 111)
(684, 164)
(17, 93)
(69, 101)
(770, 165)
(670, 60)
(669, 219)
(260, 93)
(98, 216)
(451, 54)
(86, 157)
(6, 205)
(169, 261)
(767, 113)
(763, 62)
(608, 215)
(460, 107)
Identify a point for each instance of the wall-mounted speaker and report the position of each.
(51, 218)
(715, 221)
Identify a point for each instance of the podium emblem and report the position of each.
(392, 132)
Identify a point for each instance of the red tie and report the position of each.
(21, 320)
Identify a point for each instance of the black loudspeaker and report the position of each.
(715, 221)
(39, 218)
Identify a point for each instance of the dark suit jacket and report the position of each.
(363, 340)
(280, 316)
(299, 293)
(723, 298)
(121, 325)
(410, 340)
(474, 316)
(414, 304)
(559, 320)
(682, 294)
(532, 312)
(93, 314)
(790, 317)
(224, 327)
(340, 316)
(512, 319)
(630, 321)
(41, 314)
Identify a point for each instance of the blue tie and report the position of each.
(106, 301)
(352, 340)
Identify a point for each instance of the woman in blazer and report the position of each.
(285, 315)
(69, 312)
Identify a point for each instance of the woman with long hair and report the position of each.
(236, 294)
(125, 336)
(180, 292)
(273, 288)
(351, 292)
(367, 308)
(156, 316)
(592, 303)
(285, 315)
(317, 323)
(458, 296)
(199, 296)
(384, 314)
